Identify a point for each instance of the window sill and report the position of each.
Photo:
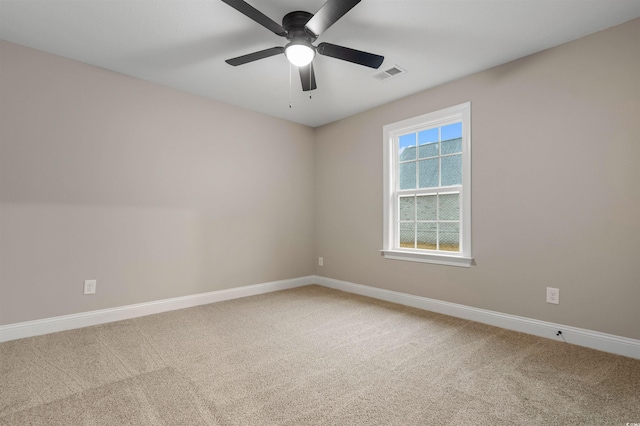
(439, 259)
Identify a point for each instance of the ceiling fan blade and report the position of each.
(308, 78)
(328, 14)
(240, 60)
(352, 55)
(253, 13)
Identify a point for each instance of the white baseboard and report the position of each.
(85, 319)
(577, 336)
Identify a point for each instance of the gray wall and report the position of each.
(153, 192)
(556, 188)
(158, 193)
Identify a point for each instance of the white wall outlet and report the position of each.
(553, 295)
(321, 261)
(90, 286)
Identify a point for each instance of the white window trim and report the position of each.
(390, 132)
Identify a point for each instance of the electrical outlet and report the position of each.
(90, 286)
(321, 261)
(553, 295)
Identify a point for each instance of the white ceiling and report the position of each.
(183, 44)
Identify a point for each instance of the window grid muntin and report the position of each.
(436, 125)
(434, 190)
(429, 192)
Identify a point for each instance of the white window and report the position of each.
(427, 188)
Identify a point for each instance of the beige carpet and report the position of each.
(310, 356)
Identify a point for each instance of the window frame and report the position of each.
(391, 133)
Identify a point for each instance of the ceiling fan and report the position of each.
(302, 29)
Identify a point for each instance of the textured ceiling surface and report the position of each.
(183, 44)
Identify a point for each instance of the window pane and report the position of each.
(449, 208)
(407, 145)
(452, 131)
(428, 143)
(428, 136)
(407, 234)
(428, 173)
(449, 236)
(451, 146)
(452, 170)
(408, 175)
(427, 236)
(407, 208)
(428, 150)
(426, 207)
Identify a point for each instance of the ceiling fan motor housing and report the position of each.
(294, 23)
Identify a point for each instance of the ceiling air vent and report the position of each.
(392, 72)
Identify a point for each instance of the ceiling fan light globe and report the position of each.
(299, 54)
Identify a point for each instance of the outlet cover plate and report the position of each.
(90, 286)
(553, 295)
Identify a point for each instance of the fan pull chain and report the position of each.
(310, 78)
(289, 84)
